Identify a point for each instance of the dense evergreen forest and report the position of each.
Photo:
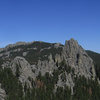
(44, 89)
(96, 58)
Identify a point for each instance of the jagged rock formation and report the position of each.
(77, 58)
(46, 66)
(27, 60)
(22, 69)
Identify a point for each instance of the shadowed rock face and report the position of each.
(73, 55)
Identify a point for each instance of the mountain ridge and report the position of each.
(31, 63)
(26, 43)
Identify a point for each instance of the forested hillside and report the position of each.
(48, 71)
(96, 58)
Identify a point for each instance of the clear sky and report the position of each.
(50, 21)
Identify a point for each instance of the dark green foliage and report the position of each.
(48, 81)
(63, 77)
(77, 58)
(17, 71)
(47, 91)
(64, 67)
(63, 94)
(95, 56)
(11, 85)
(14, 54)
(1, 61)
(81, 89)
(34, 55)
(96, 59)
(36, 51)
(86, 89)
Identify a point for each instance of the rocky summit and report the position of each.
(41, 71)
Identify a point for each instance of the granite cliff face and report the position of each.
(79, 62)
(77, 58)
(27, 60)
(22, 69)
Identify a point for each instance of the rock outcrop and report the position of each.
(46, 66)
(22, 69)
(77, 58)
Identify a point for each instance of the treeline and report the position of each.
(96, 58)
(44, 88)
(11, 85)
(84, 89)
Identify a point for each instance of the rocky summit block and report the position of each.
(77, 58)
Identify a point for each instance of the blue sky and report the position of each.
(50, 21)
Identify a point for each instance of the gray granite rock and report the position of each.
(25, 71)
(46, 66)
(77, 58)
